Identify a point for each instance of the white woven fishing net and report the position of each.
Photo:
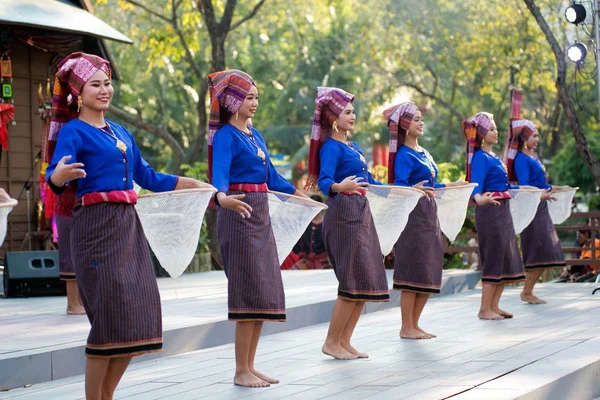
(290, 215)
(172, 222)
(5, 209)
(523, 206)
(452, 205)
(560, 209)
(390, 207)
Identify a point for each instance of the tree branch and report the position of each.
(148, 10)
(432, 96)
(225, 23)
(157, 131)
(563, 93)
(248, 16)
(422, 91)
(208, 14)
(188, 53)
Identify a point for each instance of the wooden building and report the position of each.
(35, 35)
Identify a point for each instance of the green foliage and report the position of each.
(449, 172)
(434, 52)
(594, 204)
(568, 167)
(199, 170)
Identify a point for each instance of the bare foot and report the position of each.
(413, 333)
(505, 314)
(431, 335)
(263, 376)
(248, 379)
(338, 352)
(77, 310)
(489, 315)
(532, 299)
(352, 350)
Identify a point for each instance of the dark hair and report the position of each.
(224, 116)
(585, 232)
(317, 197)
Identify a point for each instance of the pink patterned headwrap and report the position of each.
(475, 129)
(228, 89)
(72, 74)
(329, 104)
(520, 131)
(399, 118)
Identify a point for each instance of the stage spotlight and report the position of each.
(575, 13)
(577, 52)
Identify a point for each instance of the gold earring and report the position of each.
(334, 126)
(79, 102)
(237, 115)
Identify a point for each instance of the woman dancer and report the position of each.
(241, 170)
(348, 229)
(539, 242)
(419, 251)
(498, 247)
(109, 251)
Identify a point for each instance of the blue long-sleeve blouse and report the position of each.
(530, 171)
(107, 168)
(339, 161)
(489, 172)
(412, 167)
(236, 160)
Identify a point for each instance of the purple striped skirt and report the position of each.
(116, 281)
(540, 243)
(354, 251)
(419, 252)
(498, 247)
(249, 254)
(65, 264)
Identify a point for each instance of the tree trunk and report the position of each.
(563, 94)
(218, 51)
(158, 131)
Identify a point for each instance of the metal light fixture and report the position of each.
(577, 52)
(575, 13)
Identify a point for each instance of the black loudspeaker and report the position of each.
(32, 273)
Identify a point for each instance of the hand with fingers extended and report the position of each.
(351, 184)
(486, 198)
(429, 191)
(64, 172)
(233, 202)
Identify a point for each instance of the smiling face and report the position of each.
(532, 142)
(249, 105)
(347, 118)
(97, 92)
(491, 137)
(416, 125)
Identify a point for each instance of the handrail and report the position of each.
(592, 225)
